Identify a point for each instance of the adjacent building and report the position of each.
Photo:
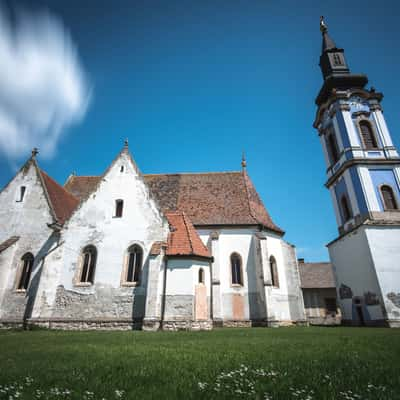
(319, 293)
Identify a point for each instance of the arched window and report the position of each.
(274, 271)
(236, 269)
(89, 257)
(135, 257)
(367, 135)
(333, 148)
(26, 270)
(201, 275)
(119, 206)
(389, 200)
(346, 211)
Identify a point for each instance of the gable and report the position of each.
(122, 181)
(33, 213)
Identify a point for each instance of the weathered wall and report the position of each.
(356, 278)
(294, 293)
(95, 223)
(180, 288)
(315, 307)
(250, 302)
(384, 245)
(27, 219)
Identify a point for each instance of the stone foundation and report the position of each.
(86, 324)
(187, 325)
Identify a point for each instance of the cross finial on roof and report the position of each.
(322, 25)
(126, 143)
(244, 162)
(35, 152)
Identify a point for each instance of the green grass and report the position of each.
(284, 363)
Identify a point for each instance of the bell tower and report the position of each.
(363, 177)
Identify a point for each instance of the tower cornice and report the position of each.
(349, 163)
(336, 95)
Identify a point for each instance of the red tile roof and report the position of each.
(7, 243)
(221, 198)
(81, 186)
(62, 202)
(183, 240)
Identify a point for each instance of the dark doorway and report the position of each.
(360, 315)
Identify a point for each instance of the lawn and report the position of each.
(283, 363)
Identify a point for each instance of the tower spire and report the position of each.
(327, 41)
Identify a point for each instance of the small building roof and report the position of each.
(183, 239)
(317, 275)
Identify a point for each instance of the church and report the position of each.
(127, 250)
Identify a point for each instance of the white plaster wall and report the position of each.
(27, 219)
(240, 241)
(183, 274)
(278, 296)
(384, 243)
(354, 267)
(94, 223)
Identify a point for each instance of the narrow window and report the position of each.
(333, 148)
(121, 169)
(336, 59)
(274, 271)
(22, 193)
(367, 135)
(236, 267)
(201, 275)
(345, 209)
(27, 265)
(89, 257)
(134, 264)
(119, 206)
(389, 201)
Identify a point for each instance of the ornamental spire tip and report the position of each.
(322, 25)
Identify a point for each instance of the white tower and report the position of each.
(363, 177)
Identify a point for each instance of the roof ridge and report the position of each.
(60, 186)
(188, 232)
(194, 173)
(248, 196)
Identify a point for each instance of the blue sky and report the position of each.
(193, 83)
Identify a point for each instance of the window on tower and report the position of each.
(336, 59)
(332, 147)
(367, 135)
(388, 197)
(346, 210)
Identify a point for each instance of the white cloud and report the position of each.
(43, 88)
